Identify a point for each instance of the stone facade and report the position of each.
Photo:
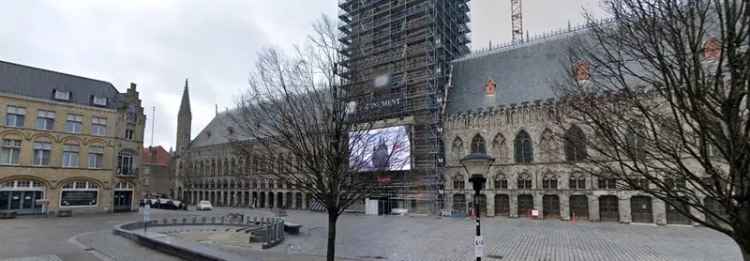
(207, 169)
(64, 154)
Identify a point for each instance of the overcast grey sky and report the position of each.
(157, 44)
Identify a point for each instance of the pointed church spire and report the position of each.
(185, 105)
(184, 119)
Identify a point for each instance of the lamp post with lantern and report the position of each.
(477, 165)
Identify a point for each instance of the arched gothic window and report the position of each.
(501, 182)
(549, 181)
(575, 144)
(458, 182)
(478, 145)
(457, 148)
(523, 181)
(634, 145)
(549, 149)
(499, 148)
(524, 150)
(577, 181)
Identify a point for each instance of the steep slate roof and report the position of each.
(523, 73)
(156, 156)
(39, 83)
(216, 132)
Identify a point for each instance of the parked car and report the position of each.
(164, 203)
(204, 205)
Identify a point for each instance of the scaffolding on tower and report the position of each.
(411, 43)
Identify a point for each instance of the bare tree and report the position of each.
(297, 108)
(663, 88)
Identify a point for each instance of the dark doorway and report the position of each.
(674, 216)
(289, 200)
(641, 211)
(279, 199)
(270, 199)
(308, 199)
(123, 200)
(298, 200)
(482, 205)
(609, 208)
(459, 204)
(525, 205)
(579, 207)
(254, 199)
(502, 205)
(551, 206)
(262, 200)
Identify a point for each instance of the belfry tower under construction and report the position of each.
(397, 56)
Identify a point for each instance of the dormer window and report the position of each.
(61, 95)
(712, 49)
(99, 101)
(582, 71)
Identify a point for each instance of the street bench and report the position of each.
(7, 214)
(292, 228)
(65, 213)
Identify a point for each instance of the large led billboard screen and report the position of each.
(384, 149)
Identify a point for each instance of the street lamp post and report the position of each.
(479, 164)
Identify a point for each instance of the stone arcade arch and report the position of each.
(298, 200)
(525, 205)
(641, 209)
(579, 206)
(551, 206)
(502, 205)
(609, 208)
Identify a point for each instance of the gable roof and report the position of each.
(40, 83)
(156, 156)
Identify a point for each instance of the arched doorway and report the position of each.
(551, 206)
(123, 197)
(22, 196)
(298, 200)
(459, 204)
(525, 205)
(674, 216)
(579, 206)
(262, 200)
(609, 208)
(270, 199)
(502, 205)
(641, 210)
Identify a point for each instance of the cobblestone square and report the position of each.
(399, 238)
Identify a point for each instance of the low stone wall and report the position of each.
(270, 230)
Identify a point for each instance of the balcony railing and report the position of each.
(127, 172)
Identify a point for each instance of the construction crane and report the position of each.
(516, 17)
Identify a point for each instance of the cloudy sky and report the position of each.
(158, 44)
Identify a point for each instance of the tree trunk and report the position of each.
(331, 254)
